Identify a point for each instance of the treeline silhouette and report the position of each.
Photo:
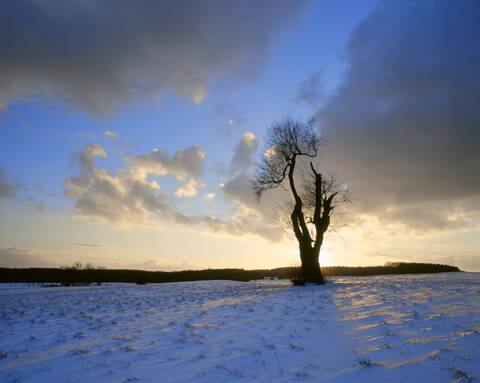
(77, 275)
(390, 268)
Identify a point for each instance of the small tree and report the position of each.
(289, 161)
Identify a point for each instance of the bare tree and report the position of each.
(290, 161)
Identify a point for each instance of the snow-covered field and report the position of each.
(423, 328)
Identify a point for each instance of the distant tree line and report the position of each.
(389, 268)
(78, 275)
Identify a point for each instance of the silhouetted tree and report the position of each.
(290, 161)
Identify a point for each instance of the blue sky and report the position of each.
(217, 79)
(49, 131)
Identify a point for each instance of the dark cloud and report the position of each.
(404, 126)
(20, 190)
(240, 188)
(251, 216)
(85, 159)
(96, 54)
(32, 200)
(311, 91)
(239, 191)
(7, 187)
(244, 154)
(429, 217)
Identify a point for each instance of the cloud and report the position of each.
(32, 200)
(310, 91)
(209, 196)
(130, 199)
(110, 133)
(95, 55)
(7, 188)
(427, 218)
(16, 257)
(85, 158)
(242, 223)
(123, 200)
(240, 189)
(184, 163)
(190, 189)
(271, 213)
(244, 154)
(230, 115)
(22, 191)
(403, 127)
(92, 246)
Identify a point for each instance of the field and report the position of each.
(413, 328)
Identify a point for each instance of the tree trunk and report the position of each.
(310, 269)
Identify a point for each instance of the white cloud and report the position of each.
(184, 163)
(110, 133)
(190, 189)
(270, 152)
(209, 196)
(130, 199)
(123, 200)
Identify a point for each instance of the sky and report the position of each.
(129, 131)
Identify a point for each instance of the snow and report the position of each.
(355, 329)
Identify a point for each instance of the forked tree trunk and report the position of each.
(287, 142)
(310, 269)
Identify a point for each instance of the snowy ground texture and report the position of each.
(422, 328)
